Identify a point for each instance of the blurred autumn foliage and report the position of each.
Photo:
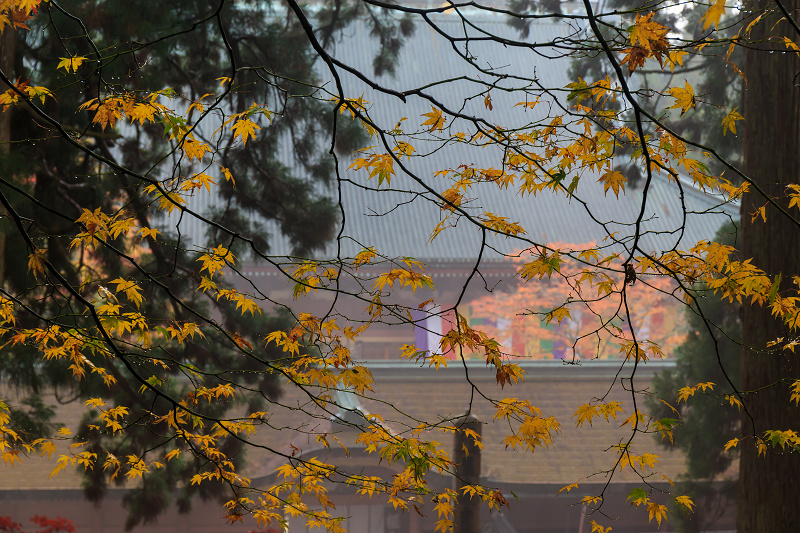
(46, 525)
(575, 314)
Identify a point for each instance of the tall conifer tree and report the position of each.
(179, 48)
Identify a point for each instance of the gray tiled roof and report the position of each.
(398, 221)
(406, 220)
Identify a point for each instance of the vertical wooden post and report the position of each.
(468, 471)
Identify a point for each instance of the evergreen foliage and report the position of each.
(180, 45)
(705, 425)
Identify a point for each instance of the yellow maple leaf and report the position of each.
(143, 112)
(36, 262)
(585, 413)
(613, 180)
(228, 176)
(558, 314)
(684, 98)
(199, 181)
(675, 58)
(714, 14)
(148, 232)
(70, 63)
(591, 500)
(685, 501)
(130, 288)
(729, 122)
(435, 119)
(501, 224)
(47, 448)
(597, 528)
(657, 511)
(379, 165)
(731, 444)
(244, 127)
(610, 410)
(27, 5)
(11, 456)
(647, 33)
(568, 487)
(195, 149)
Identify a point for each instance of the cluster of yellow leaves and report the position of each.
(242, 124)
(418, 456)
(640, 351)
(217, 259)
(493, 499)
(8, 436)
(310, 275)
(14, 13)
(597, 528)
(111, 417)
(100, 226)
(588, 411)
(445, 511)
(148, 109)
(687, 392)
(335, 370)
(307, 478)
(638, 463)
(358, 110)
(737, 281)
(379, 166)
(364, 257)
(544, 265)
(713, 15)
(648, 40)
(190, 429)
(403, 277)
(73, 346)
(434, 359)
(213, 262)
(500, 224)
(107, 111)
(165, 200)
(23, 90)
(532, 429)
(783, 438)
(463, 339)
(7, 317)
(640, 497)
(85, 459)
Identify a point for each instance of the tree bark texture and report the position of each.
(7, 48)
(769, 486)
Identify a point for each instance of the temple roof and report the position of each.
(398, 218)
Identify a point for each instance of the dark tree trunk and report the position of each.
(7, 48)
(769, 486)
